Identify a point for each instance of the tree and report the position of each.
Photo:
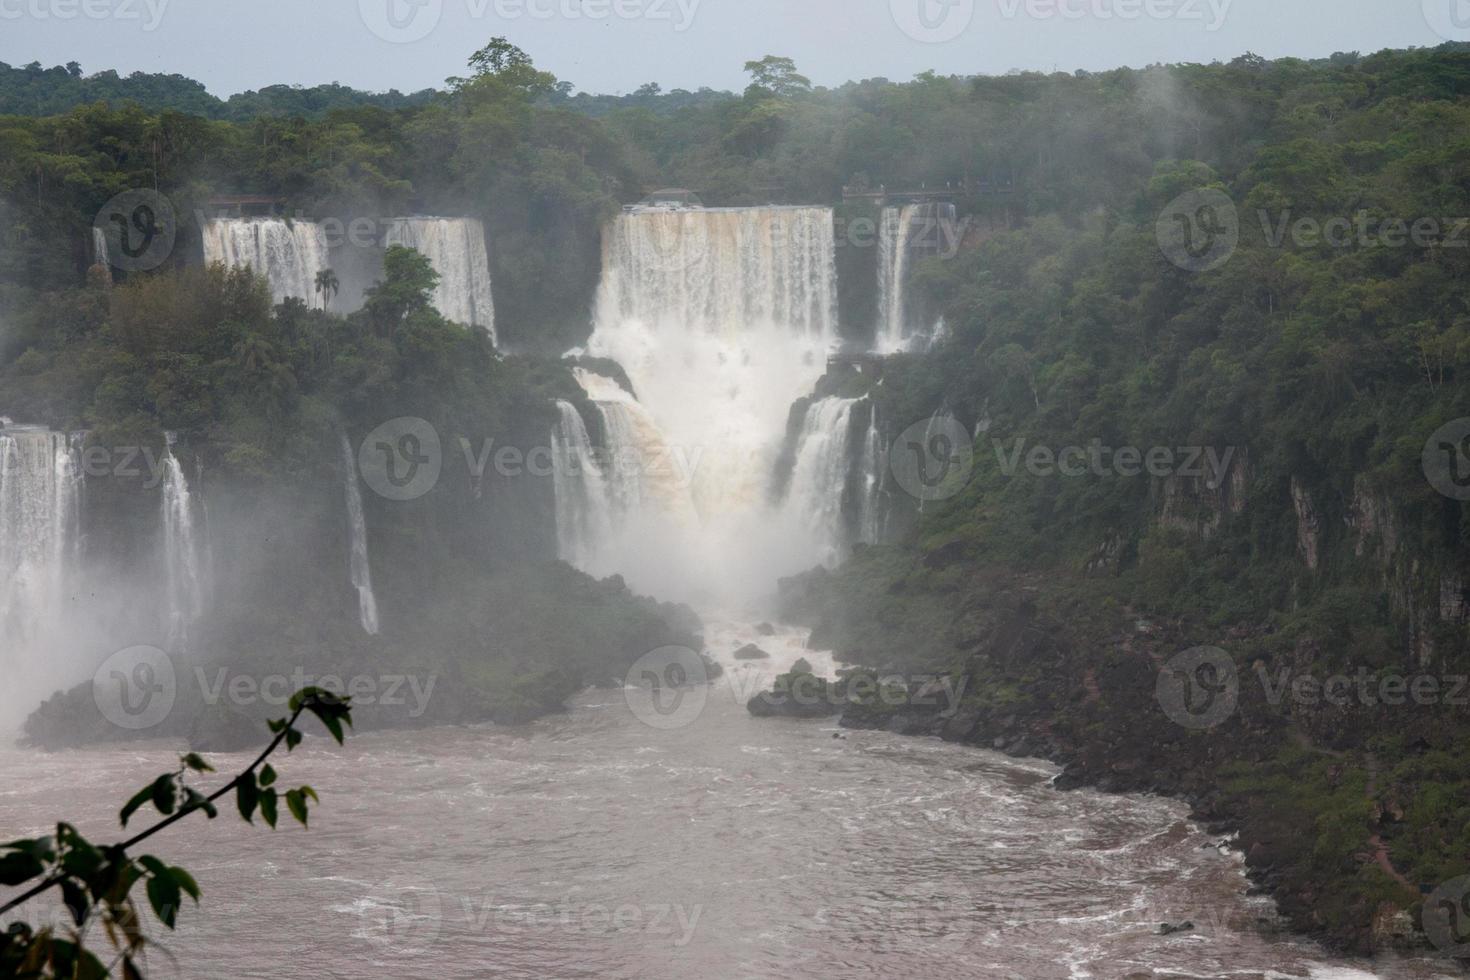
(408, 281)
(776, 77)
(505, 63)
(96, 882)
(328, 285)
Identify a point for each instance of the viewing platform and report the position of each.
(925, 195)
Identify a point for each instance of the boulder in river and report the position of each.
(751, 652)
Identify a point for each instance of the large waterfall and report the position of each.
(722, 319)
(359, 567)
(455, 247)
(184, 578)
(288, 254)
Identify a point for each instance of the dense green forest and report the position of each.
(1324, 366)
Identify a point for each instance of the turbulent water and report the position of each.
(288, 254)
(820, 474)
(592, 845)
(184, 578)
(359, 567)
(455, 247)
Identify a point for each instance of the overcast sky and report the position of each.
(616, 45)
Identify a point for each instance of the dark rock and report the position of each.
(224, 729)
(1169, 928)
(801, 666)
(751, 652)
(766, 629)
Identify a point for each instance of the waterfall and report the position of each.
(583, 507)
(99, 247)
(288, 254)
(819, 477)
(872, 463)
(40, 483)
(893, 261)
(906, 233)
(359, 567)
(183, 578)
(722, 319)
(455, 247)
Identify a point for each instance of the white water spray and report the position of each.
(184, 581)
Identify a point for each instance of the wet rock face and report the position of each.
(751, 652)
(1308, 525)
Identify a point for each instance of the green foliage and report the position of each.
(96, 882)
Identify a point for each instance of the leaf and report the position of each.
(296, 802)
(268, 807)
(196, 763)
(163, 895)
(276, 724)
(293, 739)
(186, 882)
(247, 796)
(267, 775)
(76, 900)
(163, 793)
(16, 867)
(139, 798)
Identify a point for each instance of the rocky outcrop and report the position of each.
(1308, 525)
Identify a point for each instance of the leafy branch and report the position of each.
(96, 882)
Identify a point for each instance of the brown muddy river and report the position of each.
(594, 845)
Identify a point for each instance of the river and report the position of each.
(590, 844)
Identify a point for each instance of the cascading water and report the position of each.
(288, 254)
(39, 493)
(40, 519)
(455, 247)
(99, 247)
(722, 319)
(893, 261)
(819, 477)
(184, 579)
(907, 232)
(583, 507)
(872, 515)
(359, 567)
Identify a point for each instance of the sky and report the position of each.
(613, 46)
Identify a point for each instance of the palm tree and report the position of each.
(328, 285)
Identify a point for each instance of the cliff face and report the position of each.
(1326, 727)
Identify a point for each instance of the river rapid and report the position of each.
(591, 844)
